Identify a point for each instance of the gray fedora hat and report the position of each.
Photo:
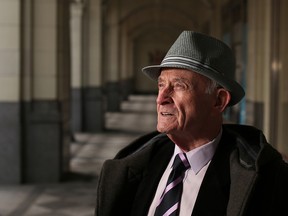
(205, 55)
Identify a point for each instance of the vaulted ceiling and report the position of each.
(139, 17)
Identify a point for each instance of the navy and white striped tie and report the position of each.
(169, 203)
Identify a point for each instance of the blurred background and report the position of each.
(70, 72)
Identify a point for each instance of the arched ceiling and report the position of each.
(139, 17)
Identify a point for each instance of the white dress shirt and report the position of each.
(199, 159)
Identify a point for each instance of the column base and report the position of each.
(10, 143)
(114, 96)
(94, 114)
(44, 145)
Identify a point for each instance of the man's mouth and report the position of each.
(166, 114)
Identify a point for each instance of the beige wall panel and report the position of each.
(9, 88)
(9, 63)
(45, 12)
(9, 36)
(44, 87)
(45, 63)
(9, 11)
(45, 39)
(9, 50)
(76, 45)
(45, 50)
(95, 70)
(258, 52)
(258, 67)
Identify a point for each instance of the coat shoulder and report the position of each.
(138, 144)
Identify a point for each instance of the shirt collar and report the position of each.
(200, 156)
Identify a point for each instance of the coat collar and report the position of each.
(251, 154)
(233, 171)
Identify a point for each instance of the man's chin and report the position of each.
(164, 130)
(161, 130)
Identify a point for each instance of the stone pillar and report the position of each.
(126, 65)
(46, 90)
(112, 60)
(76, 22)
(94, 105)
(280, 66)
(258, 66)
(10, 106)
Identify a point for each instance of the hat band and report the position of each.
(186, 62)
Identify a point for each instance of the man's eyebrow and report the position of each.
(180, 79)
(177, 79)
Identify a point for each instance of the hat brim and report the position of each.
(235, 89)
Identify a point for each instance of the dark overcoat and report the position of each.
(246, 176)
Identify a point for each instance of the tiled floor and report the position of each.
(76, 196)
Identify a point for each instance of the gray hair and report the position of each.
(212, 85)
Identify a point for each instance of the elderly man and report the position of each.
(194, 164)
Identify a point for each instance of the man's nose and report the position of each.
(164, 95)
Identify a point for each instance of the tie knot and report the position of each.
(181, 162)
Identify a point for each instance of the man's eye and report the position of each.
(179, 86)
(160, 85)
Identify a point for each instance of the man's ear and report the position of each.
(223, 99)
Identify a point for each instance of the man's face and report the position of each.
(183, 104)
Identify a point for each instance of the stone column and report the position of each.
(280, 68)
(10, 94)
(94, 106)
(112, 60)
(258, 66)
(126, 63)
(76, 21)
(46, 89)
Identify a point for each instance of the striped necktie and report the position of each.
(169, 203)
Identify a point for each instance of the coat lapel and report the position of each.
(160, 157)
(214, 191)
(123, 178)
(242, 184)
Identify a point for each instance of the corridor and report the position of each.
(75, 196)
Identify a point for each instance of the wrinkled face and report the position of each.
(183, 104)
